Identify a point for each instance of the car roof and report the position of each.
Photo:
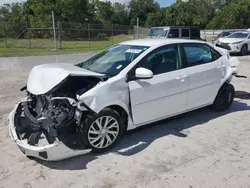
(162, 27)
(158, 42)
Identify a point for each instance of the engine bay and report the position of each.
(54, 115)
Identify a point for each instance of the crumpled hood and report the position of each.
(230, 40)
(45, 77)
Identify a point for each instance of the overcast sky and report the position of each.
(162, 2)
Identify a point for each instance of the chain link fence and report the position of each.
(73, 35)
(68, 36)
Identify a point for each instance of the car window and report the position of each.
(195, 32)
(184, 32)
(248, 37)
(216, 55)
(162, 60)
(197, 54)
(239, 35)
(224, 34)
(157, 32)
(174, 33)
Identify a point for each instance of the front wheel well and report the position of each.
(123, 113)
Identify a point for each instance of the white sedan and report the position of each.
(74, 109)
(238, 42)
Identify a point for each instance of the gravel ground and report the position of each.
(200, 149)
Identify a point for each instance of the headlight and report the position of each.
(237, 42)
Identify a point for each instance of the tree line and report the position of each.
(208, 14)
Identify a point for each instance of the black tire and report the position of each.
(84, 129)
(244, 50)
(224, 98)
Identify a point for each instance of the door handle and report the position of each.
(181, 77)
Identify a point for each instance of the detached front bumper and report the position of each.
(51, 152)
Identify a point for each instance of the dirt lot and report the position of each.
(200, 149)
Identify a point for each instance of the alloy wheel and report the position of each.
(103, 132)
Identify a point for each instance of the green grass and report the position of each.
(20, 47)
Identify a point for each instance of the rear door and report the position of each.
(204, 74)
(163, 95)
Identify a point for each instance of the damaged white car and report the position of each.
(73, 109)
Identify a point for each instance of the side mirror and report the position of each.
(143, 73)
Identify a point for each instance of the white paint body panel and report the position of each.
(45, 77)
(204, 82)
(158, 97)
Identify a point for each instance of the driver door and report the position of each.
(163, 95)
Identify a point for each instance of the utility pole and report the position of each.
(28, 33)
(137, 27)
(59, 33)
(4, 35)
(54, 29)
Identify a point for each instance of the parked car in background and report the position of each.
(72, 109)
(224, 34)
(237, 42)
(184, 32)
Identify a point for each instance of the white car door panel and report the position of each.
(203, 84)
(159, 97)
(204, 78)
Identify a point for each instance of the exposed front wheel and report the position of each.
(224, 98)
(103, 131)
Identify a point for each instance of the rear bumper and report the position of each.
(51, 152)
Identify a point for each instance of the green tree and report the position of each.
(234, 15)
(103, 11)
(157, 18)
(120, 14)
(141, 9)
(13, 18)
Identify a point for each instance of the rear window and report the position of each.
(185, 32)
(195, 32)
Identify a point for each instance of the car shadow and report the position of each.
(238, 54)
(242, 95)
(137, 140)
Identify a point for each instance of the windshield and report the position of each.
(113, 60)
(158, 32)
(238, 35)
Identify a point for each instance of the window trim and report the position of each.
(131, 72)
(185, 57)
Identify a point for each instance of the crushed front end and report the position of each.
(47, 126)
